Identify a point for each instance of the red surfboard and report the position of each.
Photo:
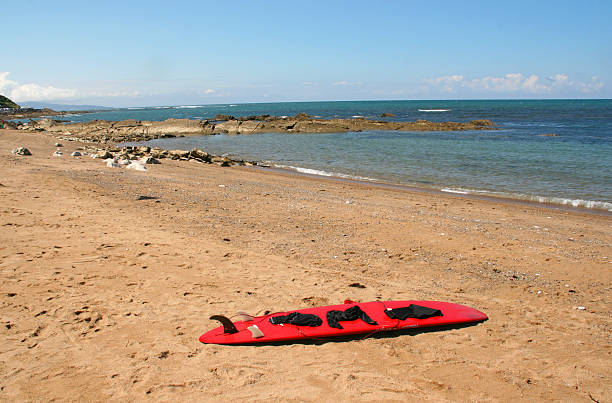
(379, 316)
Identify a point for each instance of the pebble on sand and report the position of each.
(21, 151)
(137, 166)
(111, 163)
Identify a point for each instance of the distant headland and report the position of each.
(11, 110)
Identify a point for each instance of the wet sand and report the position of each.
(108, 277)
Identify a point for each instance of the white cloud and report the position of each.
(209, 91)
(592, 86)
(562, 80)
(531, 84)
(512, 83)
(559, 80)
(112, 94)
(32, 92)
(346, 83)
(5, 84)
(448, 83)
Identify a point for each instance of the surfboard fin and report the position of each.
(228, 326)
(244, 316)
(255, 332)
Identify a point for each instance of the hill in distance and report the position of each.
(62, 107)
(7, 103)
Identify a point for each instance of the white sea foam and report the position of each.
(135, 109)
(318, 172)
(434, 110)
(590, 204)
(460, 191)
(357, 116)
(187, 106)
(311, 171)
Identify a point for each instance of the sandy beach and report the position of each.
(109, 276)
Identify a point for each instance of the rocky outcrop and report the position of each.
(4, 124)
(482, 122)
(102, 131)
(224, 117)
(147, 155)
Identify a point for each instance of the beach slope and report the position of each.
(108, 277)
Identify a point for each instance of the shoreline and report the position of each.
(118, 133)
(435, 191)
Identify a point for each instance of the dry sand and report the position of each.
(103, 296)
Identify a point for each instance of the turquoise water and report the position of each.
(517, 161)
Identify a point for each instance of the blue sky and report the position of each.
(136, 53)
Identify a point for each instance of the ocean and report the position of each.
(550, 151)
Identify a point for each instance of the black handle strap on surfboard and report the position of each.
(228, 326)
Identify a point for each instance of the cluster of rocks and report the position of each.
(6, 124)
(102, 131)
(142, 155)
(148, 155)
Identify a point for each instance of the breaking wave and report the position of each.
(588, 204)
(318, 172)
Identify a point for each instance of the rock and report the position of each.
(178, 154)
(256, 117)
(43, 124)
(548, 135)
(149, 160)
(159, 153)
(137, 166)
(230, 126)
(8, 125)
(111, 163)
(387, 115)
(21, 151)
(224, 117)
(199, 155)
(58, 145)
(222, 161)
(482, 122)
(58, 153)
(302, 116)
(104, 154)
(76, 154)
